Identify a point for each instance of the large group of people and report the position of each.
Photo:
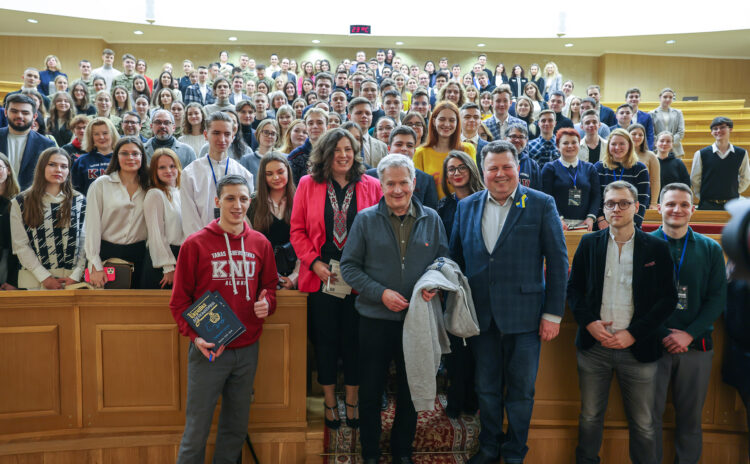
(347, 182)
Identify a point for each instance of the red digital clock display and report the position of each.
(359, 29)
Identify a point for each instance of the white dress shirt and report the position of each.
(112, 215)
(164, 224)
(198, 190)
(617, 294)
(493, 219)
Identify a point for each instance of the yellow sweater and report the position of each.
(430, 161)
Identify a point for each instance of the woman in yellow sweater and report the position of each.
(443, 135)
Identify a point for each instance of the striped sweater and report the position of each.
(636, 175)
(54, 247)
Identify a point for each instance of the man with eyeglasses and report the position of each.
(621, 290)
(162, 124)
(529, 172)
(131, 125)
(420, 103)
(720, 171)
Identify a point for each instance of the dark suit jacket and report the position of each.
(35, 145)
(607, 116)
(654, 292)
(509, 285)
(425, 191)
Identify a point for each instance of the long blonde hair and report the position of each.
(630, 159)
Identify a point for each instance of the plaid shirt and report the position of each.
(193, 94)
(543, 151)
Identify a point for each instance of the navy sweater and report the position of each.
(87, 168)
(637, 175)
(557, 180)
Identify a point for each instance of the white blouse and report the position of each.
(113, 216)
(164, 224)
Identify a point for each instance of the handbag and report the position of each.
(286, 259)
(119, 273)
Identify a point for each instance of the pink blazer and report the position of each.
(308, 229)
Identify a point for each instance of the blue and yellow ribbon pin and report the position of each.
(522, 202)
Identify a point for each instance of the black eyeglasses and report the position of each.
(623, 204)
(461, 168)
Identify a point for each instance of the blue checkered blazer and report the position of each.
(508, 285)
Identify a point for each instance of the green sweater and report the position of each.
(704, 273)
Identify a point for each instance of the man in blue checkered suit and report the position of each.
(501, 238)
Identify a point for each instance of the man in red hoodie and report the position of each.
(229, 257)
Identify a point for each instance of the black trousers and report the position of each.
(134, 252)
(708, 205)
(462, 395)
(152, 275)
(380, 341)
(334, 323)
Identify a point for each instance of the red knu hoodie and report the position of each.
(203, 265)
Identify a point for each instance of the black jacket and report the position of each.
(654, 292)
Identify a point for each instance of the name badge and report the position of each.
(217, 213)
(574, 197)
(682, 297)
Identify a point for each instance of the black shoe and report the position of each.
(333, 424)
(452, 411)
(352, 422)
(481, 458)
(403, 460)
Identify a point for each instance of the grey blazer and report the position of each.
(676, 127)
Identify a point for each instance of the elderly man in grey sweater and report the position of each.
(388, 249)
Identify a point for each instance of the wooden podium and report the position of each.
(100, 376)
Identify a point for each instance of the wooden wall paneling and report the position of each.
(21, 52)
(280, 383)
(35, 458)
(707, 78)
(131, 360)
(38, 364)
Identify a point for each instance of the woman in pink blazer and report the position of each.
(326, 202)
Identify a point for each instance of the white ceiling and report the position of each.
(637, 26)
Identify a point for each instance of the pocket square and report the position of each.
(652, 263)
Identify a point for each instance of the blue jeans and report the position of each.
(637, 382)
(505, 363)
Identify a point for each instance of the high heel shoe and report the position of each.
(335, 423)
(352, 422)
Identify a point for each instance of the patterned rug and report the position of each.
(439, 439)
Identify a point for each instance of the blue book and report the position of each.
(214, 321)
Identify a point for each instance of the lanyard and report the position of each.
(614, 174)
(576, 172)
(678, 267)
(226, 168)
